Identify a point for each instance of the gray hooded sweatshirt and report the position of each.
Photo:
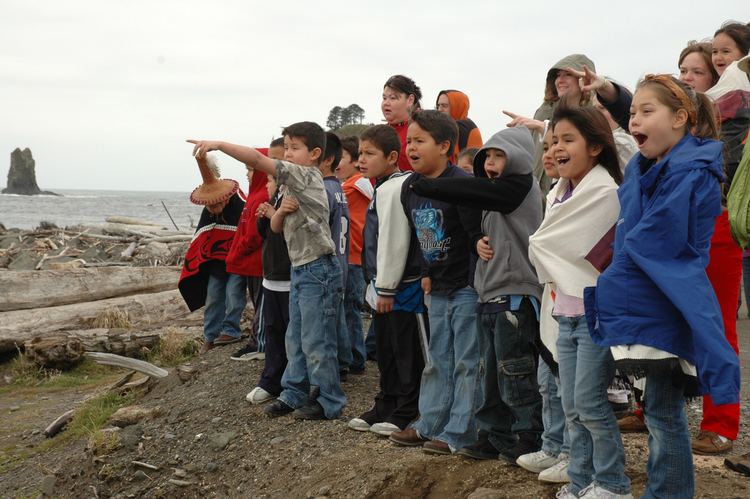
(511, 212)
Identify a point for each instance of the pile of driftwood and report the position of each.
(118, 241)
(58, 315)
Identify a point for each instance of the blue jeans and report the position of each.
(512, 408)
(451, 389)
(586, 369)
(353, 301)
(225, 301)
(311, 337)
(343, 343)
(670, 458)
(555, 439)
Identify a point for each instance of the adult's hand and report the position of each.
(530, 123)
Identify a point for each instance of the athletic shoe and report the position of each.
(248, 352)
(564, 493)
(258, 395)
(536, 462)
(278, 409)
(384, 429)
(557, 473)
(594, 491)
(358, 424)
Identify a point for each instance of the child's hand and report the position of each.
(265, 210)
(529, 123)
(384, 304)
(484, 250)
(204, 146)
(426, 285)
(288, 205)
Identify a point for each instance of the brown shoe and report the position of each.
(709, 443)
(740, 464)
(205, 347)
(225, 339)
(408, 438)
(436, 447)
(632, 424)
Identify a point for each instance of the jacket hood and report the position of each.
(574, 61)
(691, 153)
(259, 181)
(517, 145)
(459, 102)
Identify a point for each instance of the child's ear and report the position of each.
(595, 150)
(315, 153)
(679, 120)
(445, 147)
(392, 158)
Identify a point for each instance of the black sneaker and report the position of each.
(277, 409)
(244, 352)
(357, 370)
(511, 454)
(483, 449)
(343, 376)
(313, 411)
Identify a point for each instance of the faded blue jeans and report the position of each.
(225, 301)
(311, 337)
(450, 391)
(555, 439)
(353, 301)
(586, 369)
(670, 457)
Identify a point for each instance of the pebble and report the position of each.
(14, 408)
(216, 419)
(169, 436)
(324, 490)
(221, 440)
(48, 485)
(180, 473)
(278, 440)
(140, 475)
(211, 467)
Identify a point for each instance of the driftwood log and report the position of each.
(110, 359)
(50, 288)
(150, 311)
(55, 352)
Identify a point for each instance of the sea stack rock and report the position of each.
(22, 174)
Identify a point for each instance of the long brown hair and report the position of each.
(703, 49)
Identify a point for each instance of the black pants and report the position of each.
(275, 312)
(255, 290)
(400, 361)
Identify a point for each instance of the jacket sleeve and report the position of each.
(394, 237)
(620, 108)
(663, 245)
(504, 194)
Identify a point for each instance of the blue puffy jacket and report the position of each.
(656, 292)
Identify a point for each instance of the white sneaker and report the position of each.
(536, 462)
(358, 424)
(258, 395)
(384, 429)
(557, 473)
(564, 493)
(594, 491)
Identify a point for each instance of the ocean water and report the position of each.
(92, 207)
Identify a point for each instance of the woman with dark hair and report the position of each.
(401, 96)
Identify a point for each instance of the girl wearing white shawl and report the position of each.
(569, 250)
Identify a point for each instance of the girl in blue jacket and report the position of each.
(654, 305)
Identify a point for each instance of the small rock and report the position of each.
(221, 440)
(180, 473)
(15, 408)
(211, 467)
(48, 485)
(130, 415)
(169, 436)
(485, 493)
(216, 419)
(36, 432)
(140, 476)
(278, 440)
(324, 490)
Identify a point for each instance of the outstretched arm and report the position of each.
(504, 194)
(244, 154)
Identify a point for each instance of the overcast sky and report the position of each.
(106, 92)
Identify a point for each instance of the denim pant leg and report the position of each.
(468, 396)
(353, 300)
(295, 384)
(343, 343)
(235, 305)
(670, 458)
(493, 417)
(555, 439)
(213, 315)
(320, 299)
(436, 387)
(596, 450)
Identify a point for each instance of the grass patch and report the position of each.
(22, 372)
(112, 317)
(174, 348)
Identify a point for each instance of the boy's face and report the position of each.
(494, 163)
(296, 151)
(271, 186)
(217, 208)
(465, 163)
(346, 167)
(276, 152)
(373, 163)
(250, 172)
(425, 155)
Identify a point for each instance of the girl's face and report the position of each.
(271, 186)
(249, 173)
(566, 83)
(653, 125)
(396, 105)
(548, 162)
(724, 52)
(572, 154)
(695, 72)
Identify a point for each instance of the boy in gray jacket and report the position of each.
(509, 291)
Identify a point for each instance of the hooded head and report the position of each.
(573, 61)
(459, 103)
(518, 147)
